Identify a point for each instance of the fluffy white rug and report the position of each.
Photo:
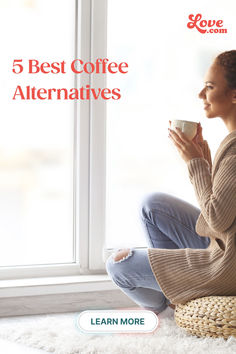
(57, 333)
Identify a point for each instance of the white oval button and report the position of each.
(103, 321)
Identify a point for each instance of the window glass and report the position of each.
(36, 136)
(167, 63)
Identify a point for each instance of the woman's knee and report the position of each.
(117, 257)
(115, 267)
(152, 202)
(122, 255)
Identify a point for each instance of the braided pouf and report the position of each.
(212, 316)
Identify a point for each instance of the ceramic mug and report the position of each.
(187, 127)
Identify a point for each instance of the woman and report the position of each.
(192, 251)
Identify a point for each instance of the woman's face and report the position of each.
(217, 96)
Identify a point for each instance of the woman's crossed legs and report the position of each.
(169, 222)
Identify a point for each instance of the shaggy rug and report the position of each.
(58, 333)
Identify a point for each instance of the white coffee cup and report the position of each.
(187, 127)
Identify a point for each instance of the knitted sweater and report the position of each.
(186, 274)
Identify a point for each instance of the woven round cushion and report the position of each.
(211, 316)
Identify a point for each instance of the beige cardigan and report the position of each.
(185, 274)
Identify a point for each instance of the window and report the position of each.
(73, 175)
(167, 63)
(51, 189)
(36, 183)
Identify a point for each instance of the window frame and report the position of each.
(89, 157)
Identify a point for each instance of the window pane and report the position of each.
(36, 136)
(167, 63)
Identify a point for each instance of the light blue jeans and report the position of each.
(169, 222)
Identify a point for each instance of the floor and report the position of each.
(58, 333)
(14, 348)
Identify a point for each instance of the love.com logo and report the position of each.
(205, 26)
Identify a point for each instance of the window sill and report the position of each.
(55, 285)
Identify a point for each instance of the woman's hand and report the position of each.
(198, 139)
(203, 145)
(188, 149)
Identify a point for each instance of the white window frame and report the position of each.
(89, 157)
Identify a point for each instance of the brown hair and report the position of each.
(228, 61)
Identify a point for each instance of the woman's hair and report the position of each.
(228, 61)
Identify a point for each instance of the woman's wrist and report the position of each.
(197, 165)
